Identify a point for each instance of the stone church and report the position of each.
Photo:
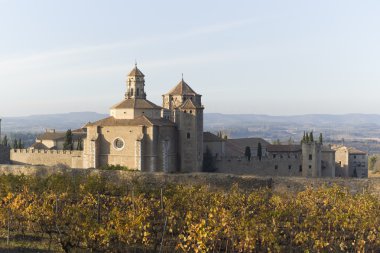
(141, 135)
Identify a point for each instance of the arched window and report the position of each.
(137, 92)
(188, 135)
(191, 111)
(131, 91)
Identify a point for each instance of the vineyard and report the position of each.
(62, 213)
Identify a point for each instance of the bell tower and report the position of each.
(135, 84)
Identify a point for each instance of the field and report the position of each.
(62, 213)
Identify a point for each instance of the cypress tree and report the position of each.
(20, 146)
(320, 138)
(68, 144)
(259, 151)
(311, 137)
(5, 141)
(15, 144)
(247, 153)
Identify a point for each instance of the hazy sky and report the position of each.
(263, 57)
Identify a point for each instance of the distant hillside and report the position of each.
(213, 119)
(38, 123)
(238, 125)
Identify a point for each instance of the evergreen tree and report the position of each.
(259, 151)
(247, 153)
(311, 137)
(372, 162)
(320, 138)
(208, 161)
(5, 141)
(20, 145)
(15, 144)
(307, 138)
(68, 144)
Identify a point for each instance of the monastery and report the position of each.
(141, 135)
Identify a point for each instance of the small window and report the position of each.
(354, 156)
(276, 167)
(188, 135)
(300, 169)
(281, 156)
(289, 167)
(185, 111)
(191, 111)
(274, 155)
(137, 92)
(309, 166)
(310, 157)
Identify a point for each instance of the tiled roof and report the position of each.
(182, 88)
(51, 136)
(189, 104)
(210, 137)
(284, 148)
(38, 145)
(327, 149)
(250, 142)
(236, 147)
(139, 103)
(54, 136)
(139, 121)
(355, 151)
(135, 72)
(350, 150)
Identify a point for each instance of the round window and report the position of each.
(118, 143)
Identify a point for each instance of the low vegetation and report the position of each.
(69, 214)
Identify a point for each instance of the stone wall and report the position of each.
(72, 159)
(216, 180)
(267, 166)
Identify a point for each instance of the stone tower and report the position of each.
(311, 159)
(186, 110)
(135, 84)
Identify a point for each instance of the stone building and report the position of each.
(54, 140)
(138, 134)
(350, 162)
(310, 159)
(143, 136)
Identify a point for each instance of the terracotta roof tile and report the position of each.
(182, 88)
(136, 103)
(135, 72)
(210, 137)
(139, 121)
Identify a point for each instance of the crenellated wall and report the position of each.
(267, 166)
(72, 159)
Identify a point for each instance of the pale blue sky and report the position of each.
(264, 57)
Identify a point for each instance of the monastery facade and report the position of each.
(143, 136)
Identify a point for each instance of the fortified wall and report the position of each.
(70, 158)
(280, 166)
